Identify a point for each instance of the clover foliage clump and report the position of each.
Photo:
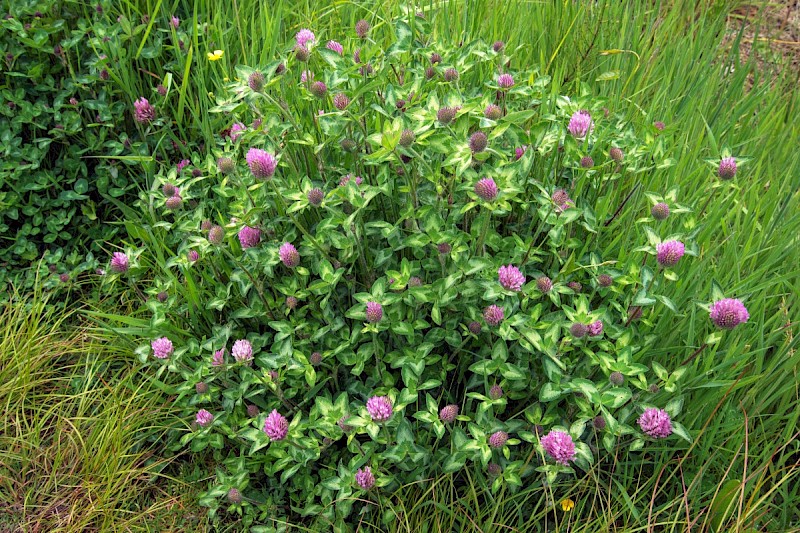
(400, 261)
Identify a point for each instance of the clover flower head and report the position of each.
(510, 277)
(249, 237)
(493, 315)
(242, 351)
(728, 313)
(559, 446)
(262, 164)
(365, 478)
(204, 418)
(380, 408)
(119, 262)
(305, 37)
(655, 423)
(498, 439)
(580, 124)
(335, 46)
(669, 253)
(289, 255)
(162, 347)
(276, 426)
(143, 111)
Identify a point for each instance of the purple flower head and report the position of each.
(261, 163)
(446, 115)
(204, 418)
(492, 112)
(498, 46)
(288, 254)
(559, 446)
(341, 101)
(616, 379)
(505, 81)
(727, 168)
(581, 124)
(478, 142)
(604, 280)
(498, 439)
(315, 196)
(305, 37)
(474, 327)
(249, 237)
(728, 313)
(655, 423)
(659, 125)
(119, 262)
(64, 278)
(364, 478)
(374, 312)
(362, 28)
(616, 154)
(519, 151)
(201, 388)
(175, 21)
(669, 253)
(587, 162)
(242, 351)
(510, 277)
(315, 359)
(193, 256)
(450, 74)
(493, 315)
(319, 89)
(379, 408)
(486, 189)
(276, 426)
(346, 179)
(595, 328)
(143, 112)
(444, 248)
(306, 76)
(336, 47)
(496, 392)
(173, 202)
(218, 359)
(575, 286)
(562, 200)
(256, 81)
(660, 211)
(236, 131)
(216, 234)
(448, 413)
(291, 302)
(234, 496)
(162, 347)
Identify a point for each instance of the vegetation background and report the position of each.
(81, 431)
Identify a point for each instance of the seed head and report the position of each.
(498, 46)
(474, 327)
(315, 196)
(616, 154)
(599, 422)
(174, 202)
(444, 248)
(343, 425)
(616, 379)
(575, 286)
(315, 359)
(379, 408)
(634, 313)
(435, 58)
(450, 74)
(276, 426)
(478, 142)
(319, 89)
(341, 101)
(496, 392)
(446, 115)
(430, 72)
(216, 234)
(653, 388)
(348, 145)
(660, 211)
(655, 423)
(301, 53)
(234, 496)
(256, 81)
(407, 138)
(728, 313)
(578, 330)
(494, 470)
(414, 281)
(486, 189)
(362, 29)
(544, 284)
(587, 162)
(162, 296)
(160, 89)
(669, 253)
(604, 280)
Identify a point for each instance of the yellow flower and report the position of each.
(567, 504)
(215, 55)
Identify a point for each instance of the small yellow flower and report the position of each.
(215, 55)
(567, 504)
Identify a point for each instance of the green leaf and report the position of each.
(403, 43)
(549, 392)
(616, 397)
(722, 506)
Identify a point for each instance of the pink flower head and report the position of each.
(143, 112)
(486, 189)
(242, 351)
(204, 418)
(346, 179)
(306, 76)
(175, 21)
(362, 28)
(193, 256)
(162, 347)
(288, 254)
(595, 328)
(492, 112)
(183, 163)
(315, 196)
(336, 47)
(519, 152)
(379, 408)
(562, 200)
(544, 284)
(493, 315)
(218, 359)
(559, 446)
(374, 312)
(505, 81)
(448, 413)
(581, 124)
(249, 237)
(305, 37)
(498, 439)
(236, 131)
(365, 478)
(511, 278)
(262, 164)
(727, 168)
(119, 262)
(341, 101)
(728, 313)
(276, 426)
(655, 423)
(669, 253)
